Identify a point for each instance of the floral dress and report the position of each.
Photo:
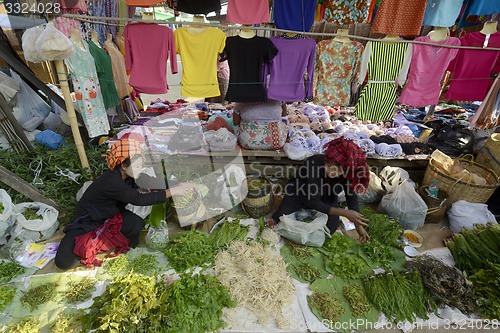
(87, 90)
(337, 66)
(346, 11)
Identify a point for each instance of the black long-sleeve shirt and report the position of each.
(316, 190)
(110, 193)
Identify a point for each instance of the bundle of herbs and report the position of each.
(346, 266)
(9, 270)
(338, 243)
(487, 288)
(358, 302)
(31, 214)
(6, 295)
(382, 228)
(446, 284)
(378, 253)
(399, 295)
(307, 272)
(189, 249)
(67, 323)
(195, 303)
(117, 265)
(227, 233)
(80, 291)
(328, 306)
(29, 325)
(39, 295)
(146, 263)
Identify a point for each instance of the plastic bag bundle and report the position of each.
(311, 231)
(466, 214)
(54, 45)
(7, 215)
(220, 140)
(157, 237)
(375, 191)
(36, 229)
(29, 39)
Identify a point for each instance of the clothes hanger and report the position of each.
(196, 29)
(439, 34)
(342, 36)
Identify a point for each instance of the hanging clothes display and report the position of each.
(488, 114)
(198, 6)
(119, 72)
(346, 11)
(89, 102)
(428, 64)
(121, 44)
(292, 70)
(105, 74)
(199, 52)
(399, 17)
(442, 13)
(65, 24)
(337, 67)
(297, 15)
(246, 57)
(485, 7)
(104, 8)
(148, 46)
(472, 69)
(387, 64)
(247, 12)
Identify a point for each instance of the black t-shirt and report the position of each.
(110, 193)
(246, 57)
(198, 6)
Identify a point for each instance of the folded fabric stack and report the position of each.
(387, 150)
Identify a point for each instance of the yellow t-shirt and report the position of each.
(199, 52)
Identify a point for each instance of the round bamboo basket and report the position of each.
(489, 154)
(461, 190)
(258, 202)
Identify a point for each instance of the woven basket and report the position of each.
(437, 207)
(460, 190)
(489, 154)
(258, 202)
(191, 208)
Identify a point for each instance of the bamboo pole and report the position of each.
(63, 80)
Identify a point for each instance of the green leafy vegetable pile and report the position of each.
(118, 265)
(80, 291)
(31, 214)
(329, 307)
(346, 266)
(67, 323)
(307, 272)
(228, 232)
(6, 295)
(301, 252)
(358, 302)
(382, 228)
(189, 249)
(487, 288)
(338, 243)
(144, 264)
(399, 295)
(378, 252)
(9, 270)
(446, 284)
(29, 325)
(36, 296)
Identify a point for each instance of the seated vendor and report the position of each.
(258, 125)
(106, 198)
(322, 178)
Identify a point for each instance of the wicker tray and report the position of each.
(489, 154)
(460, 190)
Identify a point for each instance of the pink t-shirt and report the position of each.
(148, 46)
(472, 69)
(248, 11)
(428, 64)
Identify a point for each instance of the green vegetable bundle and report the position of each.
(378, 252)
(301, 252)
(382, 228)
(346, 266)
(6, 295)
(195, 303)
(358, 302)
(446, 284)
(307, 272)
(228, 232)
(144, 264)
(117, 265)
(338, 244)
(400, 296)
(38, 295)
(189, 249)
(31, 214)
(80, 291)
(29, 325)
(67, 323)
(329, 307)
(474, 249)
(125, 306)
(487, 288)
(9, 270)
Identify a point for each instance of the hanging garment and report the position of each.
(488, 114)
(89, 102)
(119, 72)
(105, 73)
(337, 67)
(103, 8)
(428, 64)
(246, 57)
(320, 12)
(387, 65)
(400, 17)
(292, 70)
(121, 45)
(346, 11)
(148, 46)
(472, 69)
(199, 53)
(248, 12)
(198, 6)
(485, 7)
(297, 15)
(442, 13)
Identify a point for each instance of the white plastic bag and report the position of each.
(229, 187)
(306, 233)
(466, 214)
(405, 205)
(375, 191)
(29, 39)
(38, 229)
(220, 140)
(296, 153)
(8, 207)
(54, 45)
(157, 237)
(391, 177)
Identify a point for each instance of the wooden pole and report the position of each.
(63, 80)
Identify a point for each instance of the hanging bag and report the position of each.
(54, 45)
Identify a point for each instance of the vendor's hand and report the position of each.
(181, 189)
(363, 235)
(355, 217)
